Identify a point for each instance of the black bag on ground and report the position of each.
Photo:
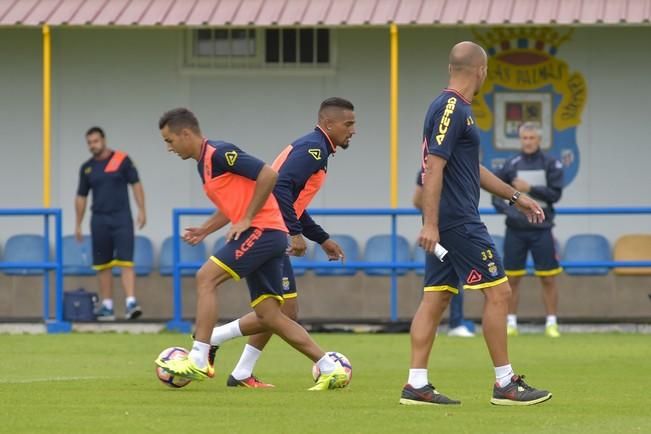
(79, 305)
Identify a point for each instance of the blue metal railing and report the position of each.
(177, 322)
(56, 325)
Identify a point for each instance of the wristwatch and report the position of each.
(514, 198)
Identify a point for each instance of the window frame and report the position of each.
(193, 64)
(192, 60)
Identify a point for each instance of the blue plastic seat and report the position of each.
(77, 256)
(188, 254)
(25, 248)
(587, 247)
(378, 249)
(351, 250)
(143, 257)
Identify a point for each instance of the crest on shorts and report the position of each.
(285, 284)
(473, 277)
(231, 157)
(526, 82)
(492, 269)
(316, 153)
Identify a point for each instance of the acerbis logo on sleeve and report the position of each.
(445, 120)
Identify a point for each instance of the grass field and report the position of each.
(83, 383)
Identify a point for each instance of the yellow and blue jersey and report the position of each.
(450, 133)
(108, 180)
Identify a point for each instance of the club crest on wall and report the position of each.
(526, 82)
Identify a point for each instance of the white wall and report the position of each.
(123, 80)
(20, 120)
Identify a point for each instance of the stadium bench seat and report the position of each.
(351, 250)
(587, 247)
(24, 248)
(77, 256)
(143, 257)
(633, 247)
(378, 249)
(188, 254)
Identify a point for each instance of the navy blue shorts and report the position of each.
(518, 242)
(113, 238)
(472, 261)
(289, 281)
(258, 256)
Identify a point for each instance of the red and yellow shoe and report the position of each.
(251, 382)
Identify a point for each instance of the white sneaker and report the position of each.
(461, 332)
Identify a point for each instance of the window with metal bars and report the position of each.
(297, 48)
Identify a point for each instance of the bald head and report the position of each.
(466, 56)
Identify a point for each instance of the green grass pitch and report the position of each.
(105, 383)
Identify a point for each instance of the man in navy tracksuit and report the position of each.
(541, 176)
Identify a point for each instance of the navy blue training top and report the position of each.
(450, 133)
(108, 180)
(302, 169)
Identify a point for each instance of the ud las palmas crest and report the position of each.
(526, 82)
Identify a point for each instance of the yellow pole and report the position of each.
(393, 103)
(47, 139)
